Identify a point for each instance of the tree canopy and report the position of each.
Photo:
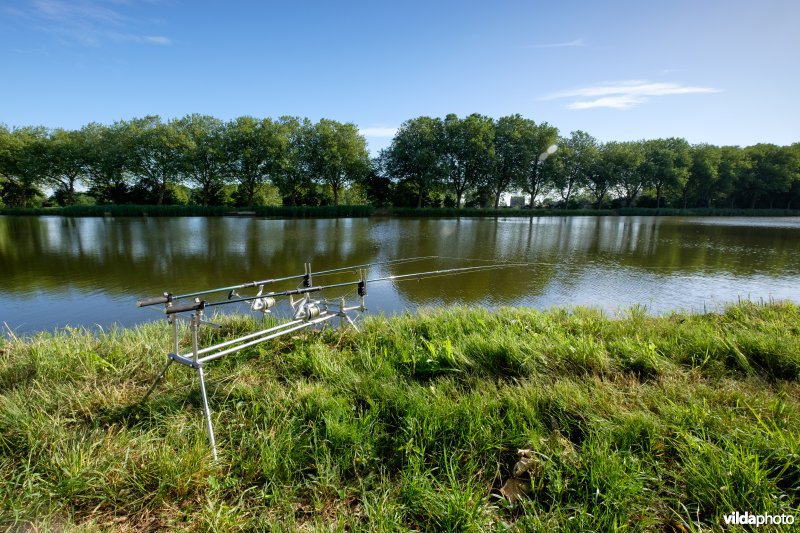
(451, 161)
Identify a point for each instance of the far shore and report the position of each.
(360, 211)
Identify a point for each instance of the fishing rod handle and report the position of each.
(192, 306)
(144, 302)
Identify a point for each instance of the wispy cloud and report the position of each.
(623, 94)
(378, 132)
(91, 22)
(569, 44)
(155, 39)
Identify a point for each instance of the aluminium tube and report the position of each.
(268, 337)
(246, 337)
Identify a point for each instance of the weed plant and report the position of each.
(635, 422)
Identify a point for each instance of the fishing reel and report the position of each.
(306, 308)
(258, 303)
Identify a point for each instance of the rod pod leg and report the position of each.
(207, 412)
(157, 380)
(352, 323)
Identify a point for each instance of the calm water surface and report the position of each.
(89, 271)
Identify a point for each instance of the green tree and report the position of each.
(521, 147)
(106, 161)
(577, 156)
(626, 160)
(667, 165)
(539, 142)
(156, 152)
(704, 175)
(255, 150)
(794, 190)
(202, 159)
(293, 177)
(415, 155)
(24, 165)
(468, 151)
(733, 164)
(336, 155)
(770, 173)
(605, 173)
(67, 153)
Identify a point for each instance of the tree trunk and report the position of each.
(534, 192)
(162, 187)
(497, 199)
(599, 199)
(251, 192)
(419, 198)
(458, 199)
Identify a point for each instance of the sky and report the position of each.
(724, 72)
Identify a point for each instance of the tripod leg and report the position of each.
(159, 378)
(207, 411)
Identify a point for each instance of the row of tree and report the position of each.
(431, 161)
(146, 160)
(484, 157)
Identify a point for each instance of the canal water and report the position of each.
(57, 271)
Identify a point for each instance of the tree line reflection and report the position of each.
(136, 256)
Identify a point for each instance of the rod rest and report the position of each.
(144, 302)
(193, 306)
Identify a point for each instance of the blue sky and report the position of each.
(724, 72)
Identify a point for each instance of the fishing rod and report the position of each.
(306, 276)
(361, 283)
(307, 313)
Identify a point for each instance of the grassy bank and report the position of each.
(645, 423)
(348, 211)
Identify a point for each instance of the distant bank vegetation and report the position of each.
(450, 163)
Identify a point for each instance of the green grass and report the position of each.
(637, 423)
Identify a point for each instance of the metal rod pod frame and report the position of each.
(307, 313)
(197, 357)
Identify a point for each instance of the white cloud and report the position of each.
(378, 132)
(625, 101)
(569, 44)
(156, 39)
(90, 22)
(623, 94)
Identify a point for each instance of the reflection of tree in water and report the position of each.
(677, 246)
(136, 256)
(140, 256)
(466, 240)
